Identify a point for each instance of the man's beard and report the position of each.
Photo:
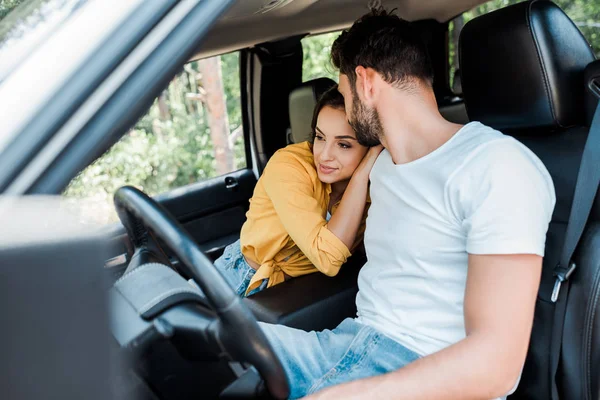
(366, 123)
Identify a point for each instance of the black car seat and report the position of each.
(302, 103)
(523, 73)
(454, 110)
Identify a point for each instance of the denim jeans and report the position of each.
(316, 360)
(236, 271)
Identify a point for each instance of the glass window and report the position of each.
(585, 14)
(27, 23)
(192, 132)
(316, 62)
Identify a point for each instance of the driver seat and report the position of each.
(523, 74)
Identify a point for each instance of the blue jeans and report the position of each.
(316, 360)
(236, 271)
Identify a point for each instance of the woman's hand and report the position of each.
(365, 166)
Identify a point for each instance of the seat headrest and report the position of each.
(522, 67)
(302, 102)
(592, 89)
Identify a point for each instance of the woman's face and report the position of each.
(336, 150)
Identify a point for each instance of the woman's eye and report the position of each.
(319, 137)
(345, 145)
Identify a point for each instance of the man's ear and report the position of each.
(366, 84)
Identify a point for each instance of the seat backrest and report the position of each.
(302, 103)
(523, 73)
(455, 110)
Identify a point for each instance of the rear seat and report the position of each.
(523, 73)
(302, 102)
(456, 111)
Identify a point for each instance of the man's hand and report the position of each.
(499, 304)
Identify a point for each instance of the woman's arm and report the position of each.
(344, 223)
(291, 191)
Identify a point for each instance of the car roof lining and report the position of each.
(244, 25)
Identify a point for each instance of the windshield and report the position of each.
(27, 25)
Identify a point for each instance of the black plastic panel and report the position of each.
(203, 198)
(311, 302)
(54, 341)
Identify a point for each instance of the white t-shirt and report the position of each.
(481, 193)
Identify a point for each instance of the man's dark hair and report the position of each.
(383, 41)
(331, 98)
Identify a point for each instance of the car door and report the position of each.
(190, 150)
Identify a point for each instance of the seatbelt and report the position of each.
(586, 187)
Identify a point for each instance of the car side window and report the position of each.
(316, 62)
(192, 132)
(584, 13)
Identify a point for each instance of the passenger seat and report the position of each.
(302, 102)
(455, 110)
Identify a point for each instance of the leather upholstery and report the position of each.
(591, 76)
(302, 103)
(522, 67)
(523, 73)
(310, 302)
(455, 112)
(457, 83)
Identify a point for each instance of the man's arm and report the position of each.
(499, 304)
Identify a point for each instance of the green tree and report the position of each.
(169, 147)
(316, 62)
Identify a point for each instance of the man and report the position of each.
(455, 239)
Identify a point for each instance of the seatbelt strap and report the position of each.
(586, 187)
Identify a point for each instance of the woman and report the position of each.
(308, 208)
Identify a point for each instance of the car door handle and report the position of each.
(231, 183)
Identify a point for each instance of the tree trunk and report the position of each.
(163, 108)
(218, 120)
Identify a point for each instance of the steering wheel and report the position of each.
(239, 331)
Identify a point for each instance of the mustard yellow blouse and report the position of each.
(286, 230)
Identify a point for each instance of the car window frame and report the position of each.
(63, 92)
(119, 100)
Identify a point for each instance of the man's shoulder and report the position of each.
(485, 149)
(475, 137)
(502, 162)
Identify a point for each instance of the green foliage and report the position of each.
(6, 6)
(164, 151)
(230, 64)
(316, 61)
